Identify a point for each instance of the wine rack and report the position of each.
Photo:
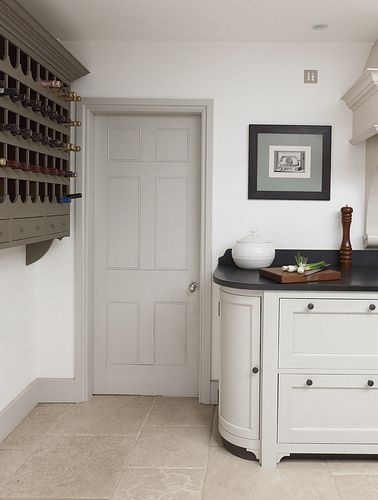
(37, 133)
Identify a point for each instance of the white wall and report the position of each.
(18, 324)
(249, 83)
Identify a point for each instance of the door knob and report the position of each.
(193, 287)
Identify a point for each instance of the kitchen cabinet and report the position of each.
(239, 403)
(298, 371)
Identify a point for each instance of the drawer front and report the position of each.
(27, 228)
(328, 334)
(4, 231)
(57, 224)
(334, 409)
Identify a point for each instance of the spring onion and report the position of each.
(302, 265)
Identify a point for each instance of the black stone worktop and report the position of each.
(363, 276)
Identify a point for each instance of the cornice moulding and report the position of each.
(362, 90)
(370, 132)
(18, 26)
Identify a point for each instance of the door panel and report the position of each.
(146, 253)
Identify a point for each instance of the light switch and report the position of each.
(311, 76)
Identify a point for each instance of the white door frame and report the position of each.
(84, 230)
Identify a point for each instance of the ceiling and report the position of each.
(207, 20)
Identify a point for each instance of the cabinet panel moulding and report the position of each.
(27, 241)
(363, 89)
(19, 109)
(25, 32)
(29, 209)
(8, 138)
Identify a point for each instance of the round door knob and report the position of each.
(372, 307)
(309, 382)
(193, 287)
(370, 383)
(255, 369)
(310, 306)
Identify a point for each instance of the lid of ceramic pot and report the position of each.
(253, 237)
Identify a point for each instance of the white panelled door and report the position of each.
(146, 254)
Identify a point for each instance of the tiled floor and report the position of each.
(135, 447)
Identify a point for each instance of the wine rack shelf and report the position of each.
(37, 140)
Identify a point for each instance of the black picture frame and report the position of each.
(324, 130)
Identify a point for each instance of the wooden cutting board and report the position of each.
(276, 274)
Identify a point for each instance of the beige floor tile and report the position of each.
(10, 461)
(357, 487)
(179, 412)
(231, 478)
(216, 438)
(160, 484)
(106, 415)
(70, 466)
(171, 447)
(353, 466)
(31, 431)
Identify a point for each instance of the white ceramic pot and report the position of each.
(253, 252)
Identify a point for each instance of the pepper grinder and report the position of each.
(346, 246)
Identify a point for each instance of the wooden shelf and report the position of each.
(29, 210)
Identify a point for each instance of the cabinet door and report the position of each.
(329, 333)
(328, 409)
(240, 353)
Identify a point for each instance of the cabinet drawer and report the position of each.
(58, 224)
(4, 230)
(334, 409)
(27, 228)
(328, 333)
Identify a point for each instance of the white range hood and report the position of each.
(362, 99)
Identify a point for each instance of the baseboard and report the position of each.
(214, 392)
(41, 390)
(57, 390)
(16, 410)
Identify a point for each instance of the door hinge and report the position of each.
(219, 308)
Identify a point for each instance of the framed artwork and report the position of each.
(289, 162)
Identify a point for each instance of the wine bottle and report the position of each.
(4, 91)
(46, 141)
(37, 137)
(70, 173)
(62, 119)
(68, 197)
(72, 147)
(32, 103)
(57, 144)
(20, 97)
(54, 115)
(50, 83)
(8, 127)
(74, 123)
(72, 96)
(45, 111)
(25, 133)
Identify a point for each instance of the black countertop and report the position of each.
(363, 276)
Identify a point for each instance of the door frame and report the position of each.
(83, 232)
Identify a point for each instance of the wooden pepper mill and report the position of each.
(346, 246)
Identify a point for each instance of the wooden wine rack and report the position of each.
(30, 211)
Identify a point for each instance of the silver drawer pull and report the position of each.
(21, 229)
(310, 306)
(372, 307)
(370, 383)
(309, 382)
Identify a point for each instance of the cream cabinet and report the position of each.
(299, 372)
(239, 395)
